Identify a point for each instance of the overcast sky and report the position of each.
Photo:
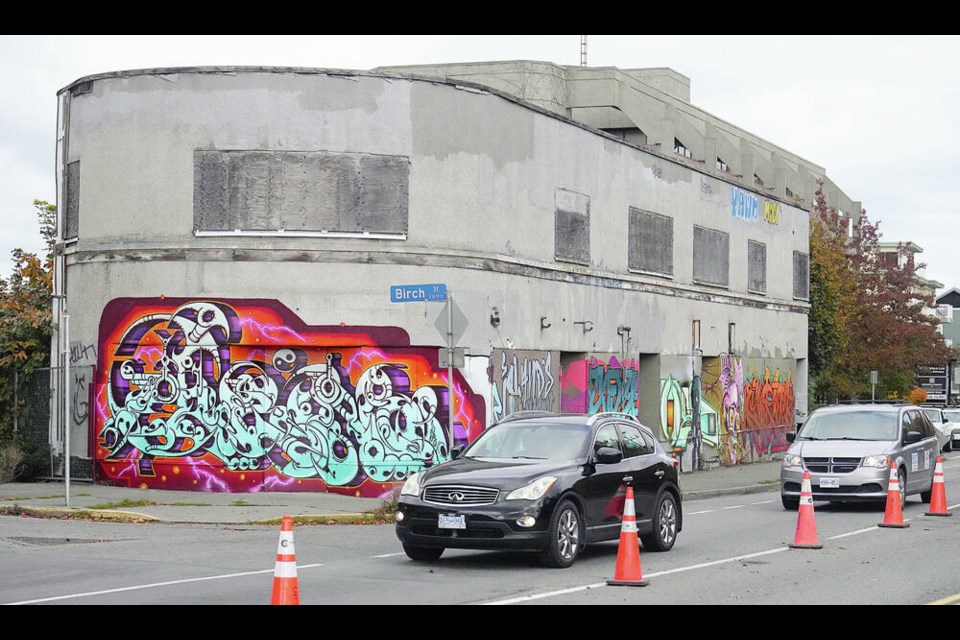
(880, 113)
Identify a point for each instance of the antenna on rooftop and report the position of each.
(583, 51)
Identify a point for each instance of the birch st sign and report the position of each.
(418, 293)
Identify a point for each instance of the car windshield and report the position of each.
(536, 440)
(953, 415)
(850, 425)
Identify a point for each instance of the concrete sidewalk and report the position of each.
(152, 505)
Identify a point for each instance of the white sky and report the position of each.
(880, 113)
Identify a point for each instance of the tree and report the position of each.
(867, 313)
(25, 316)
(832, 292)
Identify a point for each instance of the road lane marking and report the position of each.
(703, 565)
(948, 600)
(389, 555)
(697, 513)
(154, 585)
(736, 506)
(852, 533)
(762, 502)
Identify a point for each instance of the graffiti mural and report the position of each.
(592, 386)
(228, 396)
(523, 381)
(679, 402)
(768, 411)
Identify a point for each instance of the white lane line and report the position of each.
(736, 506)
(697, 513)
(703, 565)
(852, 533)
(763, 502)
(389, 555)
(154, 585)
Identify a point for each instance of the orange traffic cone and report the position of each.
(806, 536)
(893, 516)
(285, 587)
(628, 572)
(938, 501)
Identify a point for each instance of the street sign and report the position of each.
(454, 357)
(459, 321)
(418, 293)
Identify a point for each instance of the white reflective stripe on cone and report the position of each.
(629, 526)
(285, 570)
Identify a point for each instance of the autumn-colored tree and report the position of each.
(867, 313)
(25, 317)
(832, 293)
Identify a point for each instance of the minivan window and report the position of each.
(850, 425)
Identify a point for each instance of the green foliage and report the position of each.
(25, 321)
(36, 458)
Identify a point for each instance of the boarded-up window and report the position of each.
(650, 243)
(300, 191)
(71, 218)
(756, 267)
(711, 256)
(801, 275)
(572, 227)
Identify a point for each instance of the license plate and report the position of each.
(452, 521)
(829, 483)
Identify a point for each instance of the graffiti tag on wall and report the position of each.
(523, 381)
(232, 394)
(744, 205)
(592, 386)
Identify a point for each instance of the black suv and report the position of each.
(544, 482)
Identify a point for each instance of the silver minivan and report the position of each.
(850, 450)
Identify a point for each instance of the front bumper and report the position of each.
(865, 484)
(491, 527)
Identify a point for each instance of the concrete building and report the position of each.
(260, 270)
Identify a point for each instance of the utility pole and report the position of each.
(583, 51)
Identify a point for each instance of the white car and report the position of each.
(953, 415)
(945, 428)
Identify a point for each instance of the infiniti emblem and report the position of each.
(455, 496)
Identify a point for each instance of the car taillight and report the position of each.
(676, 464)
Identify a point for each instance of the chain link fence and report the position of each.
(41, 427)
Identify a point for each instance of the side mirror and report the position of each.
(790, 436)
(609, 455)
(457, 451)
(912, 437)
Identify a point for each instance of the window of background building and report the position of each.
(711, 256)
(572, 227)
(756, 267)
(650, 242)
(801, 276)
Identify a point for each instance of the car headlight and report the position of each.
(412, 486)
(533, 491)
(879, 462)
(792, 460)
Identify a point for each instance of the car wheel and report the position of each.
(665, 520)
(422, 554)
(927, 496)
(565, 536)
(789, 503)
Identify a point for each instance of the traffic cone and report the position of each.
(938, 500)
(285, 587)
(806, 536)
(893, 516)
(628, 572)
